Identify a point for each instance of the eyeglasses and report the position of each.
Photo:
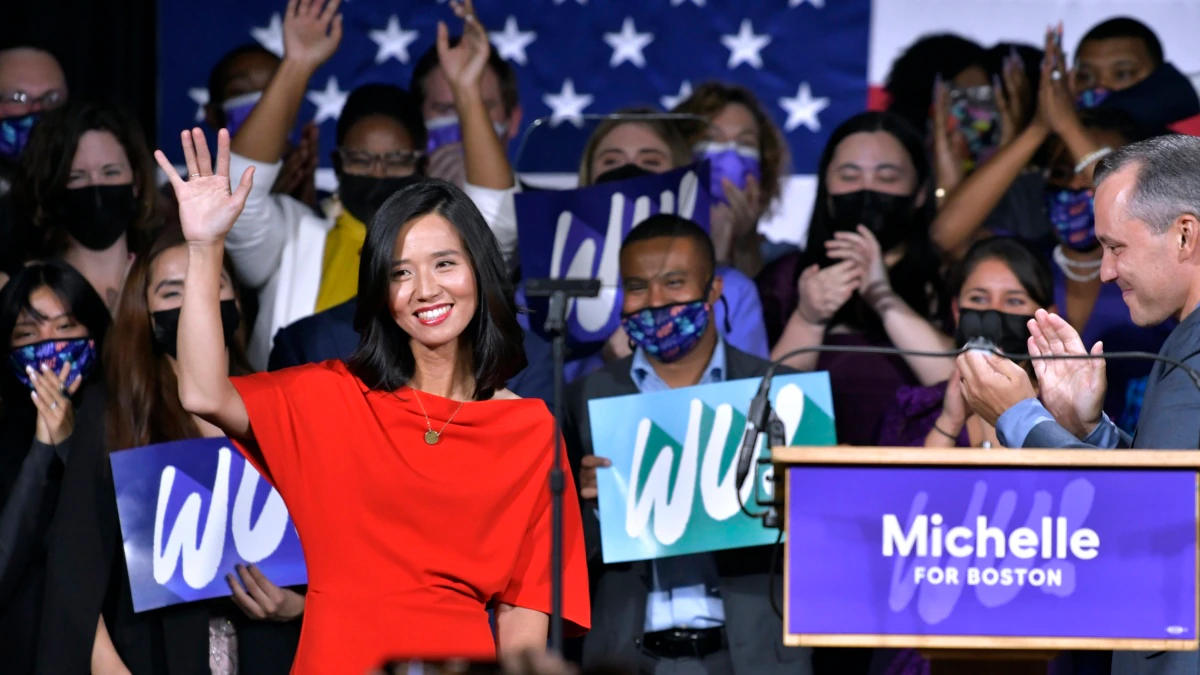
(360, 161)
(48, 100)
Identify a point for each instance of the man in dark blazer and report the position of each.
(330, 335)
(644, 613)
(1147, 206)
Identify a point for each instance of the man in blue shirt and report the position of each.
(704, 613)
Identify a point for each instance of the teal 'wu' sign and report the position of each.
(670, 490)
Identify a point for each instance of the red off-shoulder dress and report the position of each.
(406, 543)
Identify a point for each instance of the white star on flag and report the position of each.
(393, 41)
(685, 91)
(628, 45)
(745, 46)
(803, 109)
(567, 105)
(271, 37)
(815, 3)
(200, 96)
(329, 102)
(676, 3)
(512, 41)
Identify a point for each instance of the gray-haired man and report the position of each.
(1147, 207)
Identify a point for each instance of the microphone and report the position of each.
(761, 416)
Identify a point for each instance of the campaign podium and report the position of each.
(989, 560)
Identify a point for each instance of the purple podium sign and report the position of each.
(953, 553)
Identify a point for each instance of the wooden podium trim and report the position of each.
(972, 642)
(1105, 459)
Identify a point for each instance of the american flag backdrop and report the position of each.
(811, 62)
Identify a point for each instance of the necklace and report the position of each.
(431, 436)
(1069, 266)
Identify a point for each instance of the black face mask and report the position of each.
(1009, 332)
(887, 216)
(623, 172)
(97, 215)
(363, 196)
(166, 326)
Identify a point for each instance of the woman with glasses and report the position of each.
(302, 262)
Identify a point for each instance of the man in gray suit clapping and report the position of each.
(1147, 207)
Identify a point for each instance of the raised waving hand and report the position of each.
(208, 206)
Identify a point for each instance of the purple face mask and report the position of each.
(731, 160)
(237, 111)
(14, 135)
(79, 352)
(447, 131)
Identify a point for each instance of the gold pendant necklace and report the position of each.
(431, 436)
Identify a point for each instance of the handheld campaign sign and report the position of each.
(577, 234)
(1054, 549)
(189, 512)
(667, 446)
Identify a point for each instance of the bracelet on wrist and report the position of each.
(944, 433)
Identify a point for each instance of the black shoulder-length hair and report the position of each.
(493, 338)
(73, 291)
(917, 277)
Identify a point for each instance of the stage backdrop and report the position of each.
(811, 62)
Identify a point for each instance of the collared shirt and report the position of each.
(683, 590)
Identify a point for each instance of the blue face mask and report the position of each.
(14, 135)
(728, 160)
(1071, 213)
(79, 352)
(447, 131)
(669, 332)
(1090, 98)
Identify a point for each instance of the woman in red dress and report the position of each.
(416, 481)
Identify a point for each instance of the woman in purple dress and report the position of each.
(996, 289)
(869, 274)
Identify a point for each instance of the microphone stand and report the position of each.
(559, 291)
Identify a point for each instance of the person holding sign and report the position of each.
(56, 537)
(144, 409)
(708, 612)
(416, 481)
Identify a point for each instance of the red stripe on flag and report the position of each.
(877, 98)
(1190, 126)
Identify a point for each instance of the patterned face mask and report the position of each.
(669, 332)
(447, 131)
(973, 112)
(79, 352)
(1090, 98)
(728, 160)
(237, 109)
(1074, 221)
(14, 135)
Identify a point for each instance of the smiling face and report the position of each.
(871, 160)
(432, 292)
(164, 288)
(631, 143)
(54, 323)
(992, 285)
(1115, 63)
(1146, 265)
(99, 160)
